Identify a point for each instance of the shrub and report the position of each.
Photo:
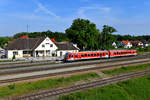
(11, 87)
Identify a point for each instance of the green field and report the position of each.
(29, 87)
(135, 89)
(128, 69)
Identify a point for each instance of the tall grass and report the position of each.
(117, 71)
(135, 89)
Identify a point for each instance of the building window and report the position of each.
(26, 52)
(43, 45)
(51, 45)
(15, 53)
(47, 43)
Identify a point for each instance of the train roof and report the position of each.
(122, 50)
(93, 51)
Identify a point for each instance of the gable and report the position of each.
(46, 44)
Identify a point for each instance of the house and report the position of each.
(64, 47)
(114, 44)
(137, 43)
(37, 47)
(146, 43)
(127, 44)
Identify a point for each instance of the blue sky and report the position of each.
(127, 16)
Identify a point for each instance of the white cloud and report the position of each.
(42, 8)
(83, 10)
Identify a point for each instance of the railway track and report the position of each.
(54, 73)
(28, 68)
(29, 64)
(61, 91)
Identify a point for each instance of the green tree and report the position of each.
(106, 37)
(4, 41)
(84, 33)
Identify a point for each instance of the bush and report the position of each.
(11, 87)
(14, 57)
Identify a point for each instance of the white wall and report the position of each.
(10, 53)
(129, 45)
(66, 51)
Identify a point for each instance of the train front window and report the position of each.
(69, 56)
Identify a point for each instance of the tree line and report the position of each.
(82, 32)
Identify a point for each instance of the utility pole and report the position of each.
(27, 28)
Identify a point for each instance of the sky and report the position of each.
(126, 16)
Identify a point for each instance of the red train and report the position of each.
(98, 54)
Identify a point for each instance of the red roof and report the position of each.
(10, 42)
(53, 40)
(24, 37)
(125, 42)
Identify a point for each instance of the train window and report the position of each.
(88, 54)
(106, 53)
(114, 53)
(94, 54)
(71, 56)
(76, 55)
(82, 55)
(85, 55)
(101, 54)
(97, 54)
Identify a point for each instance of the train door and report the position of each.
(72, 57)
(107, 54)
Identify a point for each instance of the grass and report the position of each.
(135, 89)
(121, 70)
(28, 87)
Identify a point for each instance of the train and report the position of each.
(86, 55)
